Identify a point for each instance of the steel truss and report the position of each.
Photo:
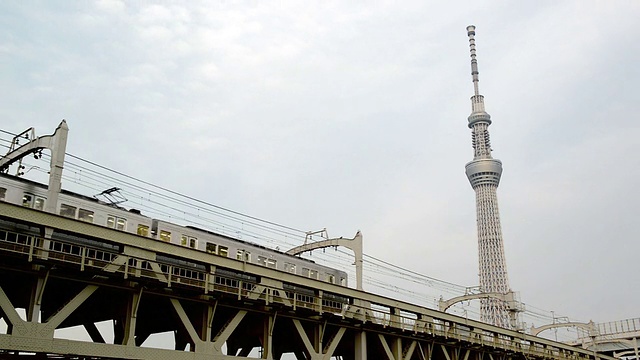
(61, 284)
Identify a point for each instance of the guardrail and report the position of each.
(619, 327)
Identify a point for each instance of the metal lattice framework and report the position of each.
(484, 175)
(63, 283)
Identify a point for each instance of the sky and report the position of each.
(353, 116)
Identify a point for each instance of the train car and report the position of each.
(225, 246)
(32, 194)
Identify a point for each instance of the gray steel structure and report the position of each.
(484, 175)
(66, 281)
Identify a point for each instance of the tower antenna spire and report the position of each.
(477, 100)
(471, 32)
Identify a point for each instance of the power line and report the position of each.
(185, 196)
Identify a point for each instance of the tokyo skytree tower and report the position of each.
(484, 175)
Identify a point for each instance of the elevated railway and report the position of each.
(68, 273)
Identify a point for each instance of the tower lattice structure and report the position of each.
(484, 175)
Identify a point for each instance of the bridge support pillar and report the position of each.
(267, 342)
(207, 322)
(33, 312)
(360, 342)
(130, 319)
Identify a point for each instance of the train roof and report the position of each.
(67, 192)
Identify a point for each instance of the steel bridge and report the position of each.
(53, 271)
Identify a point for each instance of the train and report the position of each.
(28, 193)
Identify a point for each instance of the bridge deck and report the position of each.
(74, 284)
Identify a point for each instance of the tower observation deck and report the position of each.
(484, 174)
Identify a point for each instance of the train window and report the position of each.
(331, 278)
(85, 215)
(262, 260)
(68, 211)
(243, 255)
(343, 281)
(143, 230)
(188, 241)
(288, 267)
(117, 223)
(3, 193)
(305, 272)
(223, 251)
(313, 274)
(211, 248)
(165, 236)
(121, 224)
(27, 200)
(38, 204)
(272, 263)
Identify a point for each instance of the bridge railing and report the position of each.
(618, 327)
(378, 311)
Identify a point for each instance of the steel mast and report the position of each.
(484, 175)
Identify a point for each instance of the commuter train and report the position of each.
(20, 191)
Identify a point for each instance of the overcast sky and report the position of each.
(353, 116)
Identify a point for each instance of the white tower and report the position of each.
(484, 175)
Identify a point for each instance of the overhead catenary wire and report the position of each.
(448, 286)
(385, 268)
(186, 196)
(392, 267)
(98, 180)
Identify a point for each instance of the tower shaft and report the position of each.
(484, 174)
